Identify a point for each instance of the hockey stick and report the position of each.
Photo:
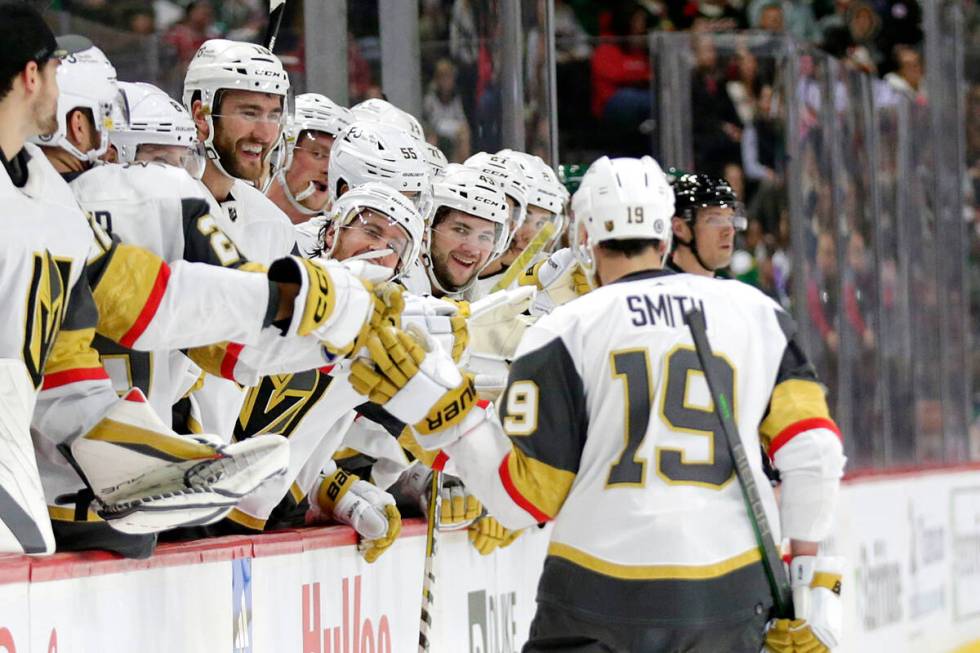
(429, 580)
(521, 262)
(772, 562)
(276, 9)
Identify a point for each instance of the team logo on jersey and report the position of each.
(279, 402)
(47, 299)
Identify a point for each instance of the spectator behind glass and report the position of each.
(778, 16)
(442, 110)
(621, 94)
(707, 16)
(196, 27)
(716, 127)
(907, 78)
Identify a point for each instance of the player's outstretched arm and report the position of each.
(806, 448)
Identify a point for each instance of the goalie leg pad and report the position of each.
(146, 478)
(24, 523)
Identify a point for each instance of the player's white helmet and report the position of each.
(544, 188)
(387, 113)
(370, 151)
(435, 158)
(384, 200)
(621, 199)
(154, 119)
(86, 80)
(510, 177)
(474, 193)
(221, 64)
(315, 112)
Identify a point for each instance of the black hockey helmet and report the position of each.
(695, 191)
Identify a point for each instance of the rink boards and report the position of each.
(913, 584)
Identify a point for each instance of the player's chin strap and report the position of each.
(693, 246)
(294, 200)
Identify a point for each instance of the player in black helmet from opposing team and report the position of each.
(707, 215)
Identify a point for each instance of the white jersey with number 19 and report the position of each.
(611, 433)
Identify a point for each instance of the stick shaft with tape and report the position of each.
(526, 257)
(429, 580)
(276, 10)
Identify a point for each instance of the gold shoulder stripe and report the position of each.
(653, 572)
(793, 401)
(152, 443)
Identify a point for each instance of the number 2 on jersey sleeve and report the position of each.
(632, 367)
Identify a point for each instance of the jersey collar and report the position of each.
(644, 274)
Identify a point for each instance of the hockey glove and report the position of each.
(487, 535)
(364, 507)
(332, 304)
(458, 508)
(559, 278)
(415, 380)
(146, 478)
(444, 319)
(816, 583)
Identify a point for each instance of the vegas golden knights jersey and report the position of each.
(612, 435)
(67, 280)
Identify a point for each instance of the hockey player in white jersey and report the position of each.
(300, 188)
(133, 300)
(607, 429)
(237, 95)
(314, 409)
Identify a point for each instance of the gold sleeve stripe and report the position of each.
(246, 520)
(129, 292)
(793, 401)
(151, 443)
(537, 487)
(219, 360)
(72, 359)
(653, 572)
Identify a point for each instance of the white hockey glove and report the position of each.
(334, 305)
(415, 380)
(559, 278)
(364, 507)
(487, 535)
(494, 322)
(457, 507)
(818, 626)
(146, 478)
(443, 319)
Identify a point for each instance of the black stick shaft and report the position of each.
(771, 560)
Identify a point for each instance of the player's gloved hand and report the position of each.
(487, 535)
(331, 304)
(457, 507)
(364, 507)
(444, 319)
(559, 278)
(494, 322)
(816, 583)
(415, 380)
